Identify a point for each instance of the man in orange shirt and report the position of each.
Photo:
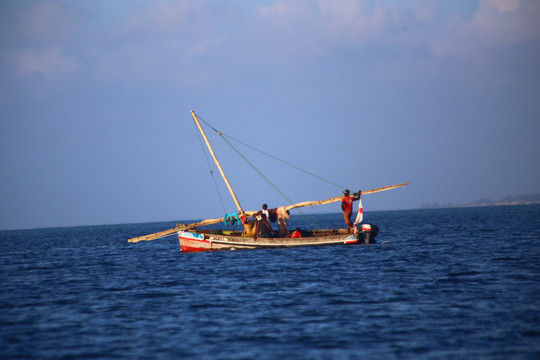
(347, 205)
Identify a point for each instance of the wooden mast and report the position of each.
(217, 163)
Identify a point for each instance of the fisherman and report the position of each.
(266, 212)
(296, 233)
(347, 206)
(282, 221)
(265, 230)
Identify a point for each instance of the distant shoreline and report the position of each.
(171, 222)
(507, 201)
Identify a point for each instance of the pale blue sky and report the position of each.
(95, 99)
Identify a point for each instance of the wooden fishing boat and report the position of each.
(204, 241)
(193, 239)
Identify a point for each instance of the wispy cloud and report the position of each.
(308, 27)
(49, 62)
(38, 40)
(169, 36)
(501, 23)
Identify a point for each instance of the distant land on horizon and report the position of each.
(509, 200)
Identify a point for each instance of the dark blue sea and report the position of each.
(439, 284)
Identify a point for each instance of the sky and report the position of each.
(95, 99)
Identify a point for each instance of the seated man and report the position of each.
(265, 230)
(296, 233)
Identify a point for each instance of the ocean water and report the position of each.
(439, 284)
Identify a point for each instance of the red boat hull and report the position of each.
(191, 241)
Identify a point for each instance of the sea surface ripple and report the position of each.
(439, 284)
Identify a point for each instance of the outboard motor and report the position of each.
(368, 233)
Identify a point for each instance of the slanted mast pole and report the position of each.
(217, 163)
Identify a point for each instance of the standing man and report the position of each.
(282, 221)
(346, 206)
(265, 211)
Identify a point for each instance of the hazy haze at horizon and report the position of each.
(95, 99)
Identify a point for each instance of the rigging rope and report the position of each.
(268, 181)
(210, 168)
(273, 157)
(284, 162)
(224, 137)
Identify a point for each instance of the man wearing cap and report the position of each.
(347, 206)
